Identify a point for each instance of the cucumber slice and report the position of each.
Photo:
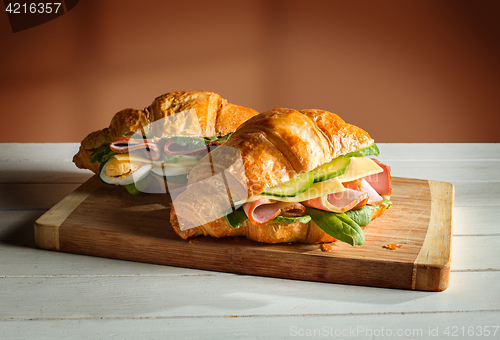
(371, 150)
(293, 187)
(331, 169)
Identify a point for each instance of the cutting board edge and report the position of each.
(431, 268)
(46, 227)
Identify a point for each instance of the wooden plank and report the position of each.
(439, 151)
(48, 171)
(38, 151)
(16, 227)
(388, 151)
(31, 262)
(449, 171)
(358, 326)
(470, 194)
(236, 295)
(109, 223)
(66, 172)
(476, 220)
(471, 253)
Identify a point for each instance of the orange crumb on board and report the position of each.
(393, 246)
(193, 241)
(326, 247)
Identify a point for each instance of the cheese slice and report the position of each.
(131, 157)
(186, 161)
(358, 168)
(318, 189)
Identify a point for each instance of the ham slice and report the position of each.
(373, 197)
(264, 210)
(339, 201)
(356, 185)
(381, 182)
(125, 145)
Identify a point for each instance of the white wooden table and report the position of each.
(48, 295)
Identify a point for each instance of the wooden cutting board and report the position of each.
(104, 220)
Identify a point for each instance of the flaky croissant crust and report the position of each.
(278, 144)
(216, 117)
(274, 147)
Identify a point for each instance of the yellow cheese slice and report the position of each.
(358, 168)
(318, 189)
(186, 161)
(131, 157)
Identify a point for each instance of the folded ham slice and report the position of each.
(373, 197)
(381, 182)
(125, 145)
(264, 210)
(339, 201)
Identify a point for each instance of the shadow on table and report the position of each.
(17, 227)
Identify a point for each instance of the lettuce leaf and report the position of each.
(387, 202)
(338, 225)
(102, 155)
(190, 142)
(170, 158)
(221, 139)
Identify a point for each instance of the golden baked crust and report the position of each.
(278, 144)
(215, 116)
(274, 147)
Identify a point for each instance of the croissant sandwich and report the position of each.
(286, 176)
(163, 141)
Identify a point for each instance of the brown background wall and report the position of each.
(406, 71)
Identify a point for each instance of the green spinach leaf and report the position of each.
(338, 225)
(361, 216)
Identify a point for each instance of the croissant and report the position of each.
(215, 117)
(272, 149)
